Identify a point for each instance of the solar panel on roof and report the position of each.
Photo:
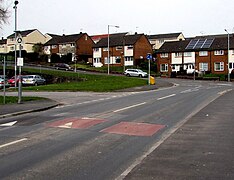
(191, 44)
(208, 43)
(199, 43)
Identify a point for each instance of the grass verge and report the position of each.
(14, 99)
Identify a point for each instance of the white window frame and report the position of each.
(203, 66)
(105, 49)
(164, 55)
(187, 54)
(129, 47)
(119, 48)
(178, 54)
(203, 53)
(220, 66)
(128, 58)
(164, 67)
(97, 60)
(219, 52)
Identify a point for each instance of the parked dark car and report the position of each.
(63, 66)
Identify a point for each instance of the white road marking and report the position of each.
(224, 92)
(165, 97)
(8, 124)
(189, 90)
(13, 142)
(129, 107)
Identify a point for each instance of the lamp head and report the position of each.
(16, 2)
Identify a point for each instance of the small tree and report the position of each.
(3, 14)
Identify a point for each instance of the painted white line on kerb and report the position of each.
(13, 142)
(129, 107)
(166, 97)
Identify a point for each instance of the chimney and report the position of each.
(135, 33)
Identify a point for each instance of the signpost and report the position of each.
(20, 63)
(149, 58)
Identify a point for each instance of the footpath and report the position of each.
(201, 149)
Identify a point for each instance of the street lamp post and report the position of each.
(108, 42)
(228, 54)
(15, 7)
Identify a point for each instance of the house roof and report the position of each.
(3, 41)
(219, 43)
(56, 39)
(119, 40)
(164, 36)
(23, 33)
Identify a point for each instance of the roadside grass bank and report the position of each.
(71, 81)
(14, 99)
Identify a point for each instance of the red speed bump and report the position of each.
(134, 129)
(76, 123)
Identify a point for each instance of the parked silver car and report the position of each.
(135, 72)
(34, 80)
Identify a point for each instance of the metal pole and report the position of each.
(15, 7)
(4, 78)
(228, 54)
(149, 72)
(20, 79)
(108, 58)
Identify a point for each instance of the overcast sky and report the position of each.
(192, 17)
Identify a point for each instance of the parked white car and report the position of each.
(135, 72)
(34, 80)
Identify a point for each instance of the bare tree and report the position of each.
(3, 14)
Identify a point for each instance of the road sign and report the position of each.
(20, 61)
(149, 57)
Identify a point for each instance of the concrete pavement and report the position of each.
(200, 149)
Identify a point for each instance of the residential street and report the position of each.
(100, 135)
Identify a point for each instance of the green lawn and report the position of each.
(83, 82)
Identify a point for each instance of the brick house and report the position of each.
(157, 40)
(125, 50)
(206, 54)
(78, 45)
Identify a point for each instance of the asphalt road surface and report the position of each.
(99, 136)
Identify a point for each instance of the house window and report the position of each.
(118, 48)
(105, 49)
(54, 46)
(129, 58)
(130, 47)
(203, 66)
(96, 49)
(164, 55)
(118, 60)
(219, 66)
(106, 60)
(187, 54)
(164, 67)
(72, 44)
(178, 54)
(12, 48)
(232, 52)
(161, 41)
(203, 53)
(219, 52)
(97, 60)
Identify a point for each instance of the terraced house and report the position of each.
(207, 54)
(124, 50)
(75, 45)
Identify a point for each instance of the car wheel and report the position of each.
(36, 84)
(140, 76)
(128, 75)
